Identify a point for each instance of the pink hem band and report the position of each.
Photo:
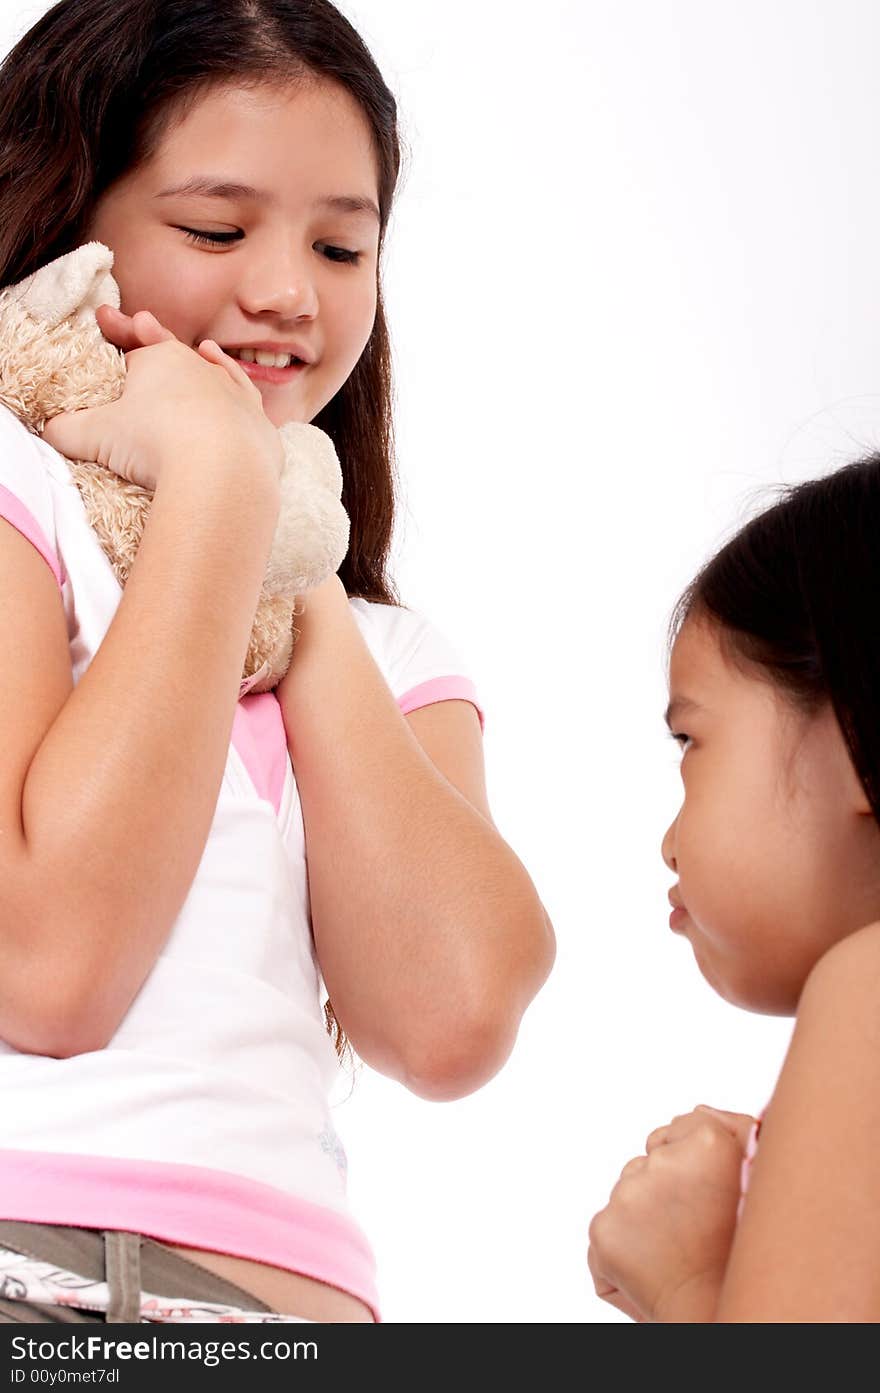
(193, 1206)
(441, 689)
(14, 511)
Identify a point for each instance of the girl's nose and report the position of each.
(667, 846)
(284, 287)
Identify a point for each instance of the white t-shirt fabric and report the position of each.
(206, 1120)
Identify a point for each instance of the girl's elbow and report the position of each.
(459, 1062)
(464, 1052)
(544, 955)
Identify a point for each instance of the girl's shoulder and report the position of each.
(405, 636)
(842, 966)
(417, 658)
(834, 1056)
(813, 1202)
(841, 1000)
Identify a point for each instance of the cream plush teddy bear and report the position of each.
(54, 358)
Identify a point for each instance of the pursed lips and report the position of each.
(679, 913)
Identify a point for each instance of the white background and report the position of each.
(632, 279)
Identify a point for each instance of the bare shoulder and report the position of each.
(808, 1244)
(834, 1058)
(851, 968)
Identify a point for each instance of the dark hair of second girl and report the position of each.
(795, 596)
(87, 94)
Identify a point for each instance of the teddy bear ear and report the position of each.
(70, 287)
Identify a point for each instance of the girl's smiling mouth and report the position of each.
(262, 372)
(271, 362)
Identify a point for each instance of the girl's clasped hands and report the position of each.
(659, 1248)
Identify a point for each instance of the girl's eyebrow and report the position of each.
(677, 706)
(207, 186)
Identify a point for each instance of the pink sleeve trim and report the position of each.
(441, 689)
(14, 511)
(192, 1206)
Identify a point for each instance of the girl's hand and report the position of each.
(179, 409)
(130, 331)
(659, 1249)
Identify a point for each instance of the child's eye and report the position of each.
(682, 740)
(212, 238)
(340, 254)
(337, 254)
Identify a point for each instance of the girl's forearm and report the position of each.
(119, 798)
(429, 931)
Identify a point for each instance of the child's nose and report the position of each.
(283, 284)
(667, 846)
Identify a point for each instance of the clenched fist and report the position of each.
(659, 1248)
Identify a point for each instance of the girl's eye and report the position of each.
(212, 238)
(682, 740)
(340, 254)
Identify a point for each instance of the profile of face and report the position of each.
(256, 222)
(775, 849)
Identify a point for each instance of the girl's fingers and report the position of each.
(212, 351)
(738, 1124)
(633, 1167)
(127, 332)
(608, 1292)
(148, 328)
(614, 1297)
(116, 327)
(659, 1137)
(141, 329)
(671, 1131)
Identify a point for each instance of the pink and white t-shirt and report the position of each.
(206, 1119)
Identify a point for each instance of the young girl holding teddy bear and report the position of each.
(182, 870)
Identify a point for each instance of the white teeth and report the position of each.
(266, 360)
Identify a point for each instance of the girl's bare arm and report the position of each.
(807, 1248)
(108, 789)
(430, 934)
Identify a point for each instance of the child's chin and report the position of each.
(749, 993)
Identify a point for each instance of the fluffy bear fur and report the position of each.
(53, 358)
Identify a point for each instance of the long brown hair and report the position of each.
(87, 94)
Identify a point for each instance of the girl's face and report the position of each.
(295, 266)
(775, 849)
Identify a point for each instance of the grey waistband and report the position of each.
(128, 1263)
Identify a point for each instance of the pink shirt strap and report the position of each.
(14, 511)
